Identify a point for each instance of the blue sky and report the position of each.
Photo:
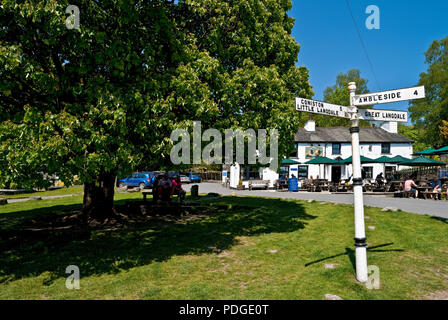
(330, 44)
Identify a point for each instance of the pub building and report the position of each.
(335, 143)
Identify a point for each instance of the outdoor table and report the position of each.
(422, 191)
(395, 186)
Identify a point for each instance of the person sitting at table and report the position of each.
(177, 189)
(155, 187)
(165, 188)
(380, 179)
(436, 188)
(410, 186)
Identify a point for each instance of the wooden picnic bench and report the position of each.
(264, 184)
(428, 194)
(145, 192)
(281, 184)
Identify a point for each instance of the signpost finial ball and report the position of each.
(351, 86)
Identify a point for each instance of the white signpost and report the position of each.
(389, 96)
(382, 115)
(319, 107)
(355, 115)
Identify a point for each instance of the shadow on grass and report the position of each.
(444, 220)
(100, 252)
(351, 254)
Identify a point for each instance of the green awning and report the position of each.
(443, 150)
(289, 162)
(363, 160)
(422, 162)
(322, 160)
(384, 159)
(426, 151)
(398, 159)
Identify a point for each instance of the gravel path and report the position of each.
(41, 198)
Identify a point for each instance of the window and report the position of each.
(294, 153)
(254, 175)
(336, 148)
(390, 171)
(284, 172)
(385, 148)
(368, 172)
(303, 172)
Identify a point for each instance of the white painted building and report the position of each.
(334, 143)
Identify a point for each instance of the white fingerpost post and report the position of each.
(360, 235)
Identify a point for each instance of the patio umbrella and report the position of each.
(422, 162)
(398, 159)
(290, 161)
(383, 160)
(443, 150)
(322, 160)
(363, 160)
(426, 151)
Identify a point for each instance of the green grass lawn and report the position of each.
(57, 192)
(254, 248)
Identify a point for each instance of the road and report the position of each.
(420, 206)
(430, 207)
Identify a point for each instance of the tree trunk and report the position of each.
(99, 198)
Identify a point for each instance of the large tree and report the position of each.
(429, 113)
(102, 100)
(415, 134)
(339, 94)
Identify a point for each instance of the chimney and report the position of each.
(389, 126)
(310, 125)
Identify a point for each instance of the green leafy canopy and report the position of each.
(105, 98)
(428, 113)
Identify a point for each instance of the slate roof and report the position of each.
(342, 134)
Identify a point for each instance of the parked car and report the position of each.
(184, 179)
(138, 179)
(173, 174)
(194, 177)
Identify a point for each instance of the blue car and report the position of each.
(194, 177)
(138, 179)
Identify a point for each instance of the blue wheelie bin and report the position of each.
(293, 184)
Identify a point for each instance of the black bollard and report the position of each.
(195, 191)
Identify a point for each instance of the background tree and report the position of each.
(102, 100)
(428, 113)
(339, 94)
(444, 130)
(413, 133)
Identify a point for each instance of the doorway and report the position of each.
(336, 174)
